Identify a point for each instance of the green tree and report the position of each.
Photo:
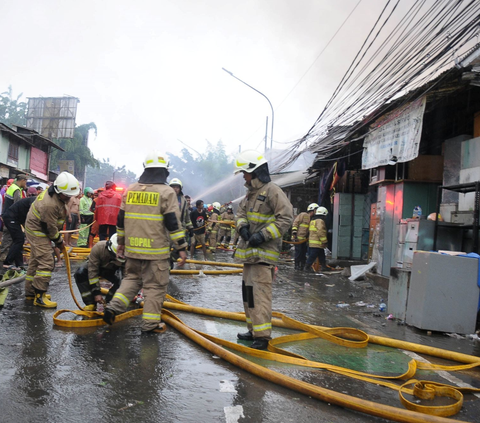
(75, 149)
(209, 176)
(12, 110)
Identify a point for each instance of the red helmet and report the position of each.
(10, 182)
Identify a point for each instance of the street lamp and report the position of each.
(243, 82)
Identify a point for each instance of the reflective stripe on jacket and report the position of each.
(264, 209)
(46, 216)
(225, 217)
(144, 234)
(318, 234)
(301, 225)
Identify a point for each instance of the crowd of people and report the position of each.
(142, 228)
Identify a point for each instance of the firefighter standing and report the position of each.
(213, 227)
(317, 241)
(300, 235)
(263, 216)
(177, 186)
(14, 218)
(44, 221)
(101, 263)
(86, 217)
(149, 209)
(225, 229)
(106, 208)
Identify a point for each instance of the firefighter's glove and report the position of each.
(245, 233)
(294, 236)
(256, 239)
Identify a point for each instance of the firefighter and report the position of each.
(101, 263)
(12, 195)
(14, 218)
(224, 231)
(44, 221)
(263, 217)
(300, 234)
(213, 227)
(149, 218)
(177, 186)
(106, 208)
(198, 218)
(86, 218)
(317, 241)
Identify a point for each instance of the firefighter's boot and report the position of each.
(41, 300)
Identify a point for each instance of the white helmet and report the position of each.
(216, 205)
(321, 211)
(66, 184)
(112, 245)
(155, 159)
(176, 181)
(312, 207)
(248, 161)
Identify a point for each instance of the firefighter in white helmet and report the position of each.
(148, 220)
(213, 227)
(103, 263)
(263, 217)
(317, 241)
(44, 221)
(300, 235)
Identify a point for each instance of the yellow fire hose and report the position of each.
(343, 336)
(214, 263)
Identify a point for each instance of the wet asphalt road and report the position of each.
(117, 374)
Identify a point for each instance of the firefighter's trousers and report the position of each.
(40, 265)
(257, 298)
(224, 233)
(153, 276)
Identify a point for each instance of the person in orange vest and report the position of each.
(106, 208)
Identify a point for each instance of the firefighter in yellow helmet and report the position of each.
(317, 241)
(44, 221)
(263, 217)
(300, 235)
(148, 220)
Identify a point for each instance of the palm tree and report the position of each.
(76, 149)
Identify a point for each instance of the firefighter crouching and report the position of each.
(300, 234)
(148, 215)
(44, 221)
(101, 263)
(263, 217)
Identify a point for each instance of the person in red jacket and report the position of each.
(107, 206)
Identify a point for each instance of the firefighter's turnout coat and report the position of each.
(318, 233)
(300, 225)
(264, 209)
(44, 222)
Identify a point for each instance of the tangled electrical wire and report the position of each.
(426, 39)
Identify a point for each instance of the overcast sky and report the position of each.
(149, 72)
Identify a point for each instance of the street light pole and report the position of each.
(259, 92)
